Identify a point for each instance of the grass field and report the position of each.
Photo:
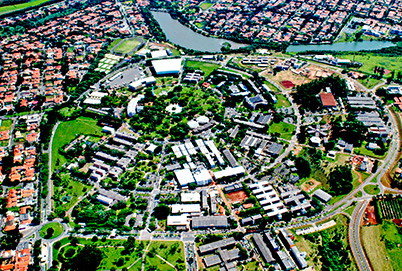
(370, 61)
(207, 68)
(372, 189)
(205, 5)
(171, 251)
(11, 8)
(364, 151)
(350, 210)
(369, 82)
(381, 246)
(57, 230)
(281, 101)
(112, 250)
(284, 129)
(126, 46)
(114, 43)
(68, 131)
(6, 124)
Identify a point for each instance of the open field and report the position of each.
(370, 61)
(284, 129)
(57, 230)
(206, 5)
(281, 101)
(11, 8)
(206, 67)
(6, 124)
(288, 76)
(68, 131)
(381, 246)
(238, 196)
(114, 43)
(369, 82)
(126, 46)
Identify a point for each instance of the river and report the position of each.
(342, 46)
(185, 37)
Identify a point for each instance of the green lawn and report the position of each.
(205, 5)
(372, 189)
(68, 131)
(207, 68)
(57, 230)
(284, 129)
(112, 252)
(369, 82)
(281, 101)
(370, 61)
(364, 151)
(6, 124)
(11, 8)
(350, 210)
(171, 251)
(126, 46)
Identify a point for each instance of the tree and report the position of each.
(161, 211)
(303, 167)
(87, 259)
(340, 180)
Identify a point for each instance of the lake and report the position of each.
(180, 34)
(342, 46)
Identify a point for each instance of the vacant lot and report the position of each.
(126, 46)
(170, 251)
(238, 196)
(68, 131)
(205, 5)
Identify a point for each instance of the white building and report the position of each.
(184, 177)
(203, 177)
(95, 97)
(190, 197)
(133, 104)
(167, 66)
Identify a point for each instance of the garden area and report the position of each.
(389, 207)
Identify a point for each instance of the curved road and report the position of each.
(354, 236)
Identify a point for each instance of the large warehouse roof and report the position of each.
(184, 176)
(167, 66)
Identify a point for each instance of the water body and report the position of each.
(187, 38)
(342, 46)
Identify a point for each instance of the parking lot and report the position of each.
(126, 77)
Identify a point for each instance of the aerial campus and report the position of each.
(201, 135)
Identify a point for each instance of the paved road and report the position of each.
(49, 181)
(354, 236)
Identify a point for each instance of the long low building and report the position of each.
(211, 247)
(262, 248)
(203, 222)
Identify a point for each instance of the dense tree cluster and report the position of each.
(340, 180)
(306, 95)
